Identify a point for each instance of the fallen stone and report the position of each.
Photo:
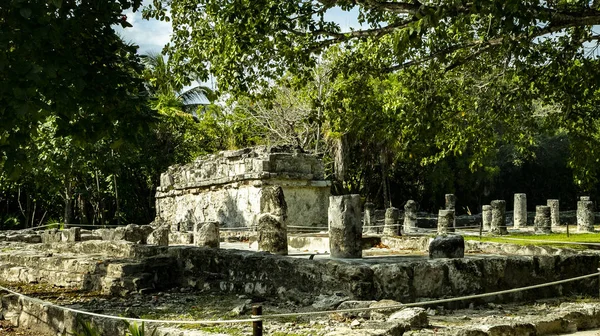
(160, 236)
(416, 317)
(383, 314)
(447, 247)
(327, 302)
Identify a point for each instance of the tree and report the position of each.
(63, 59)
(244, 42)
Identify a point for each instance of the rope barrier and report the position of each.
(260, 318)
(426, 303)
(83, 312)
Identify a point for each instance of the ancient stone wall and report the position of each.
(226, 188)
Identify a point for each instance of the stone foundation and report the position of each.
(227, 187)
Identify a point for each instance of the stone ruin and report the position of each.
(227, 188)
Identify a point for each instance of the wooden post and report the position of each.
(257, 326)
(481, 229)
(567, 230)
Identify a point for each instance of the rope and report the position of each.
(46, 303)
(424, 303)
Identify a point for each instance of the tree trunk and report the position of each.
(340, 158)
(68, 202)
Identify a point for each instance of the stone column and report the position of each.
(554, 212)
(410, 216)
(445, 222)
(345, 226)
(451, 205)
(272, 228)
(585, 216)
(206, 234)
(520, 211)
(391, 227)
(498, 224)
(369, 219)
(542, 223)
(450, 201)
(486, 217)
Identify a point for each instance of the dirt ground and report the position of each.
(7, 329)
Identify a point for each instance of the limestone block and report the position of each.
(345, 226)
(272, 234)
(71, 234)
(160, 236)
(450, 201)
(585, 216)
(51, 236)
(410, 216)
(486, 217)
(542, 222)
(520, 211)
(272, 201)
(445, 222)
(369, 219)
(133, 233)
(391, 227)
(207, 234)
(554, 211)
(498, 224)
(447, 247)
(416, 317)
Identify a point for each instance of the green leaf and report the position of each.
(25, 12)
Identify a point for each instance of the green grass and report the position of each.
(556, 237)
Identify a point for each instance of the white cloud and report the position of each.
(150, 35)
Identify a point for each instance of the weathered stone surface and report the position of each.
(410, 216)
(498, 224)
(226, 187)
(486, 217)
(416, 317)
(271, 227)
(520, 211)
(160, 236)
(450, 201)
(132, 233)
(585, 216)
(554, 205)
(585, 198)
(345, 226)
(447, 247)
(51, 236)
(445, 222)
(543, 222)
(391, 227)
(369, 219)
(384, 309)
(71, 234)
(207, 234)
(328, 302)
(272, 235)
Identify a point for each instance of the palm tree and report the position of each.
(166, 91)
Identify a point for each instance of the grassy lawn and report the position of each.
(551, 239)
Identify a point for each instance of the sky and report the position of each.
(152, 35)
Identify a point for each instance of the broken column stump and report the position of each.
(369, 219)
(520, 211)
(585, 215)
(345, 226)
(445, 222)
(486, 217)
(554, 205)
(410, 216)
(498, 224)
(272, 226)
(543, 222)
(391, 227)
(206, 234)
